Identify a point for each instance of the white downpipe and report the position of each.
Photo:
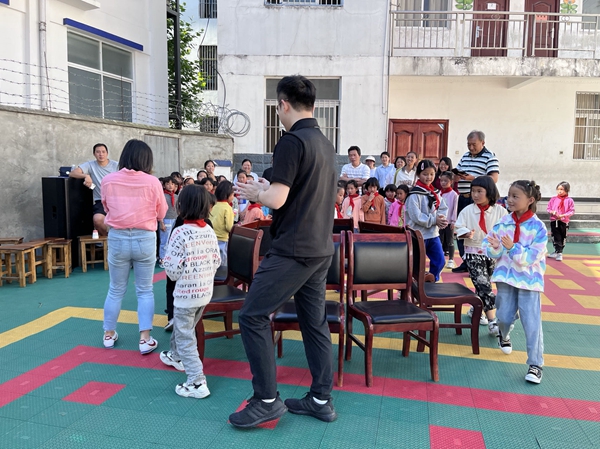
(42, 55)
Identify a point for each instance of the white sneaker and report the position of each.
(197, 391)
(559, 257)
(493, 328)
(147, 346)
(504, 345)
(553, 255)
(483, 321)
(109, 341)
(450, 264)
(169, 325)
(167, 358)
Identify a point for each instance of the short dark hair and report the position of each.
(246, 160)
(241, 171)
(384, 153)
(193, 203)
(447, 161)
(404, 188)
(423, 165)
(298, 91)
(352, 182)
(565, 185)
(203, 181)
(176, 174)
(168, 179)
(371, 182)
(342, 183)
(201, 171)
(136, 155)
(99, 145)
(208, 162)
(402, 158)
(447, 174)
(491, 191)
(531, 189)
(224, 190)
(391, 188)
(354, 148)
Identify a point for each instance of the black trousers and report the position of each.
(559, 229)
(462, 203)
(276, 281)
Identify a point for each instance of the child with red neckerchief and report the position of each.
(352, 205)
(451, 198)
(191, 260)
(518, 243)
(560, 207)
(373, 205)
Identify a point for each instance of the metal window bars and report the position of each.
(586, 144)
(304, 2)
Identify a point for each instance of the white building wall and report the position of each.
(140, 22)
(531, 129)
(257, 42)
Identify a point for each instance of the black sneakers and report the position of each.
(307, 406)
(462, 268)
(534, 375)
(257, 412)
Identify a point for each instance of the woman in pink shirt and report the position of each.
(134, 202)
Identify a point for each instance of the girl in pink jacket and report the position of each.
(560, 207)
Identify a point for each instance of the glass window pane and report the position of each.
(85, 97)
(116, 61)
(83, 51)
(117, 100)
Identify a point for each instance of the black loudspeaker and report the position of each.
(68, 208)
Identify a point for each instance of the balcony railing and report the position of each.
(491, 33)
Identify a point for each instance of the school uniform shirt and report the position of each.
(468, 220)
(451, 199)
(355, 213)
(221, 217)
(525, 264)
(568, 208)
(374, 211)
(191, 260)
(421, 214)
(253, 214)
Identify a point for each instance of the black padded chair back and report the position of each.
(333, 275)
(381, 262)
(418, 249)
(343, 224)
(242, 253)
(366, 227)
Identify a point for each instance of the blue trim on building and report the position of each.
(6, 2)
(102, 34)
(223, 163)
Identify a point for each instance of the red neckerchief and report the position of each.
(401, 203)
(172, 195)
(430, 189)
(526, 216)
(482, 209)
(339, 212)
(224, 201)
(446, 189)
(352, 199)
(255, 206)
(200, 222)
(561, 206)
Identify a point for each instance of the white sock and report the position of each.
(268, 401)
(319, 401)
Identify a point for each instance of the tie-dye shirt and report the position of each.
(525, 264)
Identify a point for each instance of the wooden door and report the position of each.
(489, 29)
(427, 138)
(542, 28)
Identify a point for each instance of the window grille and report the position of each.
(208, 62)
(587, 126)
(305, 2)
(422, 19)
(209, 124)
(207, 9)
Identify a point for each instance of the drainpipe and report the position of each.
(42, 54)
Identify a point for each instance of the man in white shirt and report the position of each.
(92, 173)
(355, 169)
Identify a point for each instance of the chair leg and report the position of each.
(200, 338)
(280, 345)
(433, 353)
(341, 336)
(420, 344)
(228, 320)
(20, 267)
(348, 339)
(405, 344)
(458, 318)
(369, 357)
(477, 311)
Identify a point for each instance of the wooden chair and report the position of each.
(384, 261)
(286, 318)
(60, 256)
(366, 227)
(242, 258)
(24, 263)
(265, 226)
(86, 241)
(343, 224)
(443, 297)
(44, 258)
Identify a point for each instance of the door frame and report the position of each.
(497, 52)
(530, 50)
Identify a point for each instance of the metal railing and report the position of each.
(491, 33)
(304, 2)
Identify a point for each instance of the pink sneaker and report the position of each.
(147, 346)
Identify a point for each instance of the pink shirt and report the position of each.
(133, 199)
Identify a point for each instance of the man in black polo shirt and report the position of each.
(478, 161)
(302, 196)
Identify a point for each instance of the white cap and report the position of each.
(370, 158)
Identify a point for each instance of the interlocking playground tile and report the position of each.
(102, 420)
(442, 437)
(62, 414)
(7, 424)
(453, 416)
(514, 438)
(58, 388)
(94, 393)
(148, 427)
(25, 407)
(358, 405)
(134, 397)
(567, 431)
(28, 435)
(344, 430)
(404, 410)
(402, 434)
(189, 432)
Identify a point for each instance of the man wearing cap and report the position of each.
(355, 169)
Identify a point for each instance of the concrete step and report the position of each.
(577, 224)
(581, 236)
(581, 207)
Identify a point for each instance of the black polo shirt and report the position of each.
(304, 160)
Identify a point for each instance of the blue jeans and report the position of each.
(435, 253)
(164, 236)
(127, 247)
(223, 251)
(529, 304)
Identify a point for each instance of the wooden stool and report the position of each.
(86, 240)
(45, 258)
(24, 255)
(60, 255)
(10, 240)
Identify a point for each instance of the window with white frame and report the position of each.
(207, 9)
(100, 79)
(590, 7)
(208, 63)
(587, 126)
(327, 111)
(305, 2)
(427, 13)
